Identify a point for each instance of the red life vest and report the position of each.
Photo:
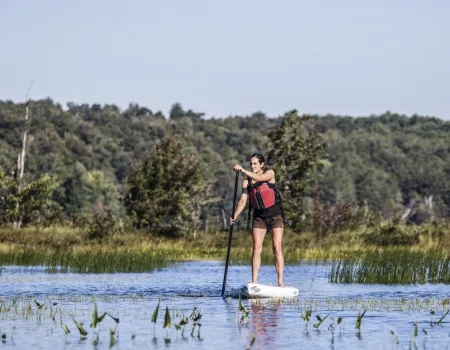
(263, 195)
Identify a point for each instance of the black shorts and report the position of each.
(269, 223)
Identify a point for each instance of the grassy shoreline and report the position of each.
(60, 249)
(48, 245)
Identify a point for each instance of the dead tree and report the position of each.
(21, 158)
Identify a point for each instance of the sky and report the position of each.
(231, 57)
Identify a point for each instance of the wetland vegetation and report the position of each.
(350, 259)
(96, 189)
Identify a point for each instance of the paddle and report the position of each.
(230, 235)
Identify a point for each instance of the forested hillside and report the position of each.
(388, 163)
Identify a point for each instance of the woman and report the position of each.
(259, 185)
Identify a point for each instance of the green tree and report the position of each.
(9, 199)
(176, 111)
(31, 203)
(84, 192)
(296, 152)
(169, 189)
(37, 204)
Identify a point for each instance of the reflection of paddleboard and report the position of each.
(256, 290)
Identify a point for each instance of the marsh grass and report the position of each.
(392, 265)
(357, 264)
(61, 249)
(133, 252)
(86, 259)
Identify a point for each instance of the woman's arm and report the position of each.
(242, 202)
(267, 176)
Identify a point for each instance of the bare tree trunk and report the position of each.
(21, 160)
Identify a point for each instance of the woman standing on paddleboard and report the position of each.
(259, 185)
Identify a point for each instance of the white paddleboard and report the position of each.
(256, 290)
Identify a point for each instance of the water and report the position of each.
(132, 297)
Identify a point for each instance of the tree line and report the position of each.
(174, 173)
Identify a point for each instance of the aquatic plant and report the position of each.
(320, 321)
(439, 322)
(95, 318)
(65, 328)
(306, 315)
(394, 333)
(243, 309)
(87, 260)
(19, 309)
(83, 332)
(392, 265)
(167, 325)
(359, 319)
(195, 316)
(181, 325)
(252, 341)
(112, 336)
(154, 318)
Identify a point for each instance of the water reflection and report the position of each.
(266, 321)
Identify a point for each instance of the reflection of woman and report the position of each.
(267, 215)
(265, 321)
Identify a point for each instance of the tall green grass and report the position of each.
(351, 259)
(392, 265)
(87, 260)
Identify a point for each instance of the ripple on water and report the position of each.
(133, 297)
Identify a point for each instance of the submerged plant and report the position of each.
(243, 309)
(359, 319)
(95, 318)
(415, 335)
(195, 317)
(181, 325)
(394, 333)
(112, 336)
(80, 328)
(439, 322)
(306, 316)
(154, 318)
(320, 321)
(65, 328)
(252, 341)
(167, 323)
(53, 313)
(39, 306)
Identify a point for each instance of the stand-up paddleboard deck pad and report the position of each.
(256, 290)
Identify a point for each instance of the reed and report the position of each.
(392, 265)
(86, 260)
(60, 249)
(356, 264)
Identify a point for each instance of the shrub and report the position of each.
(392, 232)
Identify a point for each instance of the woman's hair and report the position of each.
(259, 156)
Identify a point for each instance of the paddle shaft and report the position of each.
(230, 235)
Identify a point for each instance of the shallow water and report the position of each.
(132, 297)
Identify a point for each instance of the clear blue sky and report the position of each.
(356, 57)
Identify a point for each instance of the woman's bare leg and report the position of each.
(277, 239)
(258, 238)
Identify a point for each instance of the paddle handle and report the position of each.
(230, 235)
